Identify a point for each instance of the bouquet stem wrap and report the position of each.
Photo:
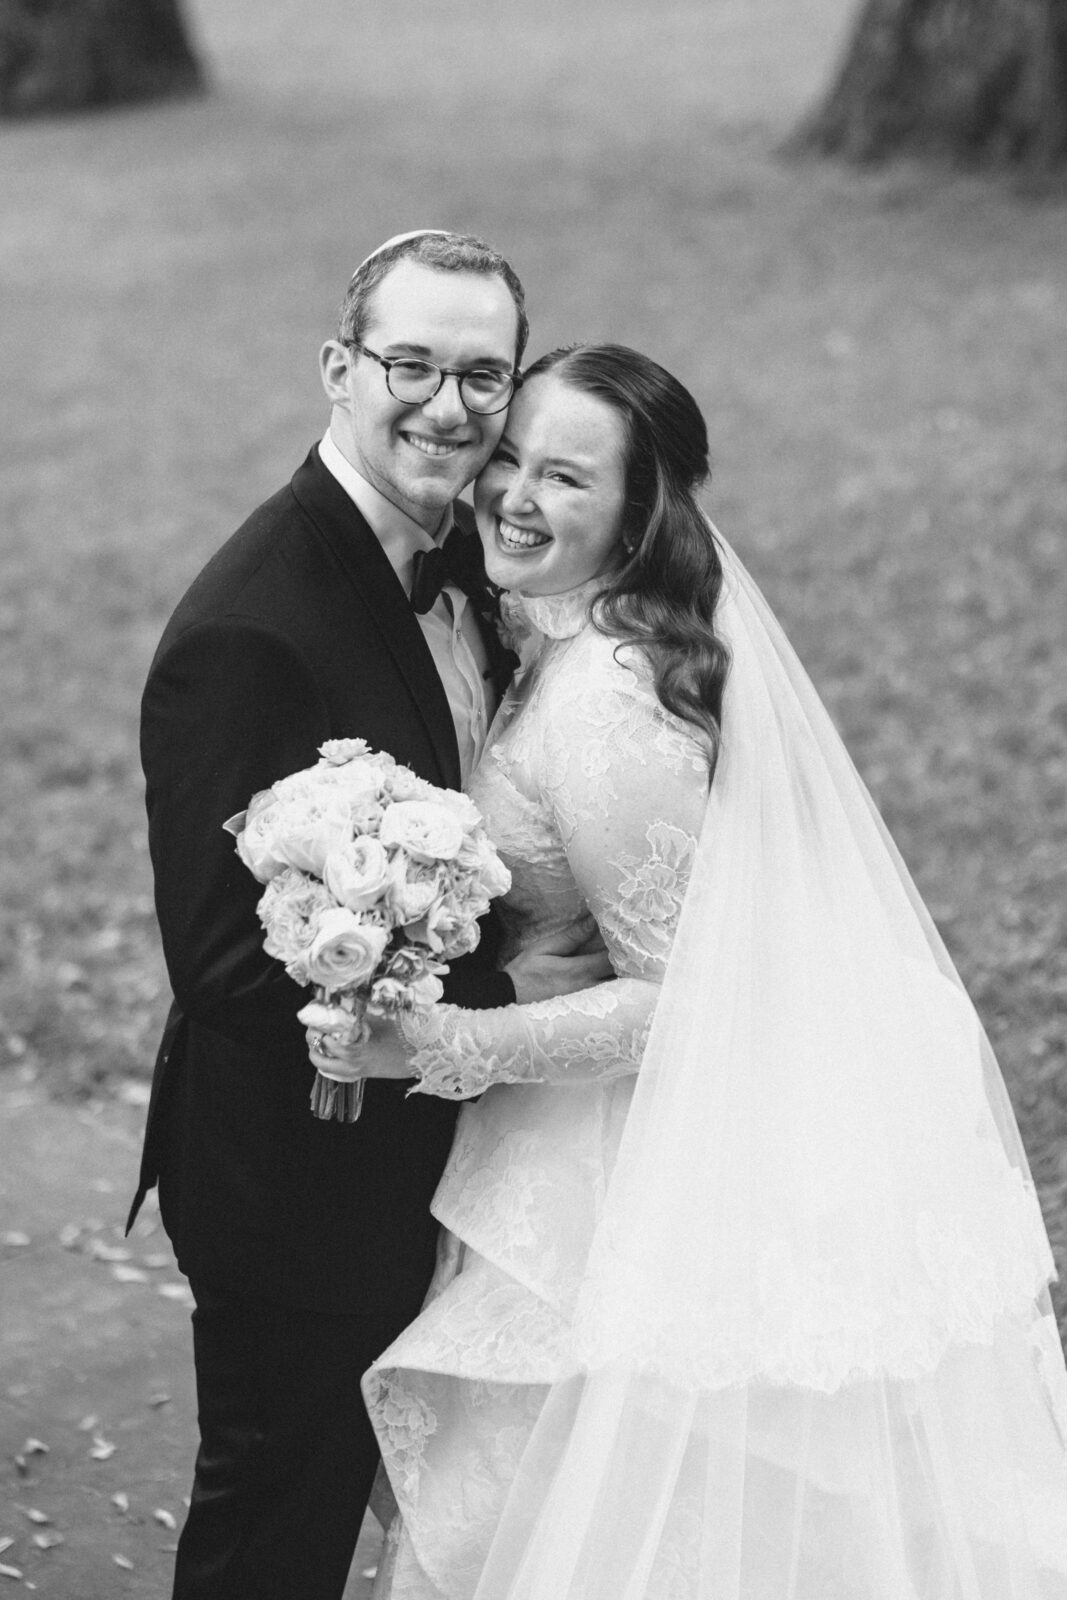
(333, 1099)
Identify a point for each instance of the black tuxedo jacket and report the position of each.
(295, 632)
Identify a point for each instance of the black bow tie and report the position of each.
(432, 569)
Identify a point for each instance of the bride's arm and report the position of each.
(628, 786)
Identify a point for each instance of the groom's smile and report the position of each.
(421, 455)
(430, 446)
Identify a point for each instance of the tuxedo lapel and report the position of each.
(383, 602)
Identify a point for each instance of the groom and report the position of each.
(309, 1244)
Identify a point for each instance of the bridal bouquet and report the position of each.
(374, 880)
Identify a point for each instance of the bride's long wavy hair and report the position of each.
(663, 595)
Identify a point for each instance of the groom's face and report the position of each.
(421, 456)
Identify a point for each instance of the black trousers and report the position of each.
(287, 1456)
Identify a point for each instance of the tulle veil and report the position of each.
(814, 1356)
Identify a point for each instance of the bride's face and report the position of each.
(550, 501)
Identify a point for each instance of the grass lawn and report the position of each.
(881, 359)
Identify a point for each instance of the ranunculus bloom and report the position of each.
(345, 951)
(357, 874)
(290, 910)
(427, 830)
(338, 751)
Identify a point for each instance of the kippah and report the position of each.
(398, 238)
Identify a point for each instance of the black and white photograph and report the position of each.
(533, 902)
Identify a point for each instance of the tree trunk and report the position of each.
(979, 82)
(67, 55)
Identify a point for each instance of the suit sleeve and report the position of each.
(229, 708)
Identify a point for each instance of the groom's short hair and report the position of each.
(444, 252)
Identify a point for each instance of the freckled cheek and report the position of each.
(490, 486)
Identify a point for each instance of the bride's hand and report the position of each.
(376, 1052)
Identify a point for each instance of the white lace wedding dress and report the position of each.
(594, 796)
(768, 1320)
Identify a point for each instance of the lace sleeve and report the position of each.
(627, 786)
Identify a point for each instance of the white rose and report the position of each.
(305, 785)
(390, 996)
(338, 751)
(256, 843)
(479, 857)
(448, 928)
(403, 784)
(427, 830)
(413, 887)
(463, 806)
(359, 781)
(345, 951)
(289, 910)
(425, 991)
(460, 939)
(357, 874)
(410, 962)
(306, 831)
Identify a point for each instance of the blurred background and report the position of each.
(880, 352)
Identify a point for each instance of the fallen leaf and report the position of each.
(124, 1562)
(123, 1274)
(47, 1541)
(9, 1572)
(35, 1447)
(168, 1549)
(164, 1518)
(22, 1466)
(108, 1252)
(40, 1517)
(175, 1291)
(16, 1238)
(369, 1572)
(157, 1260)
(120, 1501)
(132, 1092)
(157, 1400)
(87, 1424)
(102, 1449)
(5, 1543)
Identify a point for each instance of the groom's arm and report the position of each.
(228, 708)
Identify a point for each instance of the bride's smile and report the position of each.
(550, 501)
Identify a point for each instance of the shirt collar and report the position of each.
(398, 534)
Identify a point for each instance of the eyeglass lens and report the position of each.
(481, 389)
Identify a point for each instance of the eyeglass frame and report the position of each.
(459, 373)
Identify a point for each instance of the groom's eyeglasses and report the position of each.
(484, 390)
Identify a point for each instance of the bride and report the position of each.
(742, 1292)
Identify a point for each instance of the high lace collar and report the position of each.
(555, 616)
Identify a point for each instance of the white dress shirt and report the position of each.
(449, 627)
